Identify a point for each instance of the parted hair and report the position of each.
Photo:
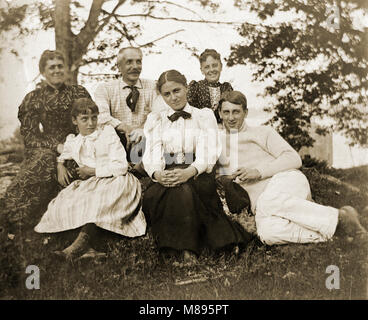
(82, 106)
(49, 55)
(209, 53)
(235, 97)
(170, 75)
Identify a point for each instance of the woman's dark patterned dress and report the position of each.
(199, 94)
(45, 122)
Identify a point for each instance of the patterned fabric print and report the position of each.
(36, 184)
(50, 108)
(199, 95)
(215, 94)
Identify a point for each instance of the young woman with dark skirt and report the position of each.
(182, 205)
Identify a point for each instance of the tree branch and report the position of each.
(175, 5)
(124, 32)
(86, 34)
(160, 38)
(109, 15)
(91, 28)
(97, 60)
(147, 15)
(98, 74)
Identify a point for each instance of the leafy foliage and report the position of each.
(81, 29)
(316, 59)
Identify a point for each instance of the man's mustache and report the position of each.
(135, 71)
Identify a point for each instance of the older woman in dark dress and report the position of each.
(206, 93)
(45, 122)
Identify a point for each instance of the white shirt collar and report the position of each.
(91, 137)
(139, 84)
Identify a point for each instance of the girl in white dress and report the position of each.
(105, 195)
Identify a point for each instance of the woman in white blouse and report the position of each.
(182, 204)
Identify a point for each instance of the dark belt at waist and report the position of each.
(178, 159)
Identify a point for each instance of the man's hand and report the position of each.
(63, 175)
(85, 172)
(60, 148)
(123, 128)
(245, 175)
(136, 135)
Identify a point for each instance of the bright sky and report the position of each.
(23, 70)
(17, 74)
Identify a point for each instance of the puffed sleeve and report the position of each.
(29, 115)
(286, 158)
(153, 158)
(159, 104)
(81, 92)
(208, 147)
(226, 86)
(67, 153)
(153, 96)
(192, 94)
(115, 164)
(102, 100)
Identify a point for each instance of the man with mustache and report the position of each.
(125, 103)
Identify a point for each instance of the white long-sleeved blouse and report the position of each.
(101, 150)
(198, 135)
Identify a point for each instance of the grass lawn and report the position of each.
(134, 269)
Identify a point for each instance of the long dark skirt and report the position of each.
(190, 216)
(33, 187)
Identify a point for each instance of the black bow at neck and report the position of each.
(176, 115)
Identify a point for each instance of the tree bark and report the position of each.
(63, 35)
(73, 46)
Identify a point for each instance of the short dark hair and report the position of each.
(209, 53)
(235, 97)
(170, 75)
(49, 55)
(82, 106)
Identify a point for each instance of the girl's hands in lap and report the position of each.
(86, 172)
(63, 175)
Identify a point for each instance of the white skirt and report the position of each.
(113, 204)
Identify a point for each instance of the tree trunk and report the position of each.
(75, 46)
(64, 37)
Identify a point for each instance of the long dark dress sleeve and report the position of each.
(192, 94)
(29, 115)
(49, 109)
(226, 86)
